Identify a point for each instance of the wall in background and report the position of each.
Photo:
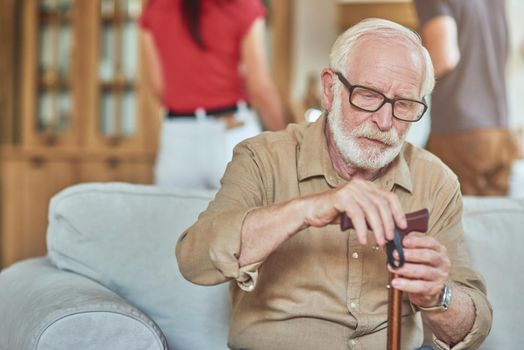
(516, 63)
(315, 30)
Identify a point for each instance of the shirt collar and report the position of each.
(398, 173)
(313, 158)
(314, 148)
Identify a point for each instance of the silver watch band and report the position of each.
(445, 301)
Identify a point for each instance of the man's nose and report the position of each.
(384, 117)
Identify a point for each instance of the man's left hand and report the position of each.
(425, 271)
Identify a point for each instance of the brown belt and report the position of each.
(230, 120)
(226, 114)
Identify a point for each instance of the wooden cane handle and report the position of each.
(417, 221)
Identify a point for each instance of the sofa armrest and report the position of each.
(43, 307)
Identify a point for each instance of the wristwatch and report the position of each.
(444, 302)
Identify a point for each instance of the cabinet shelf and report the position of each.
(54, 85)
(115, 19)
(350, 12)
(56, 17)
(117, 85)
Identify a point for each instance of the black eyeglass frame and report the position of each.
(392, 101)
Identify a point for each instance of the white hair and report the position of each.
(383, 29)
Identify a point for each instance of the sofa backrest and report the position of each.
(494, 236)
(124, 236)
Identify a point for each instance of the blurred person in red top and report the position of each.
(206, 62)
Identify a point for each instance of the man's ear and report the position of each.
(327, 89)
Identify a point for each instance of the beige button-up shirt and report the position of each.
(320, 289)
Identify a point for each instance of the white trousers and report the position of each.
(194, 152)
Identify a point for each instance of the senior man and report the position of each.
(298, 281)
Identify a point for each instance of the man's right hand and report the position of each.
(363, 202)
(265, 229)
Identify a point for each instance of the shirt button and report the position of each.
(353, 342)
(354, 255)
(353, 305)
(375, 247)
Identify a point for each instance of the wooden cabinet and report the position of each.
(29, 178)
(351, 12)
(85, 113)
(28, 181)
(115, 168)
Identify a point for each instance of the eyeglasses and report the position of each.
(370, 100)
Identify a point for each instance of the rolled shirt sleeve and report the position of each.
(481, 326)
(448, 230)
(208, 252)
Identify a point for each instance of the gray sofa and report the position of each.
(110, 280)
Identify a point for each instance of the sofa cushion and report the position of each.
(494, 235)
(124, 236)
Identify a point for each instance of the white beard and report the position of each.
(370, 157)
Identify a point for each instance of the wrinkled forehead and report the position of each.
(386, 40)
(383, 62)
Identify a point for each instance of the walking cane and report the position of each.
(416, 221)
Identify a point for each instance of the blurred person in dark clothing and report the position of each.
(468, 43)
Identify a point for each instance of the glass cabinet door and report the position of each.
(54, 36)
(81, 76)
(118, 68)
